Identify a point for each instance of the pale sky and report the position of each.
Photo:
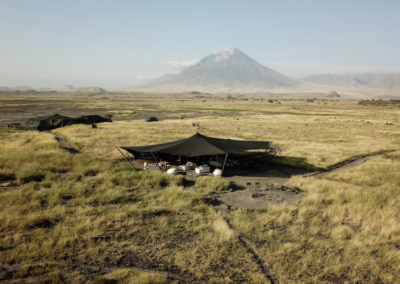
(124, 43)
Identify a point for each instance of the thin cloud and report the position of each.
(179, 65)
(221, 50)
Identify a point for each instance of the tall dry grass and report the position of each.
(345, 229)
(101, 211)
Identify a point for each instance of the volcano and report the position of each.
(229, 70)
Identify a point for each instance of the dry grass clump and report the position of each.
(222, 228)
(131, 276)
(48, 273)
(207, 185)
(338, 232)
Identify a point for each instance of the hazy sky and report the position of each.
(123, 43)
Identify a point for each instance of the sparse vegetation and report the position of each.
(131, 276)
(93, 208)
(374, 102)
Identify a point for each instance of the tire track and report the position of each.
(265, 266)
(66, 145)
(350, 163)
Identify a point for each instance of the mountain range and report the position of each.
(370, 81)
(232, 71)
(65, 88)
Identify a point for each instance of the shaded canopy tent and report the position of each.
(89, 119)
(49, 122)
(57, 120)
(200, 145)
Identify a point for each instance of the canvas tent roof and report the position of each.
(89, 119)
(58, 120)
(200, 145)
(54, 119)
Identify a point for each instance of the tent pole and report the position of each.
(156, 161)
(276, 151)
(223, 167)
(125, 157)
(263, 153)
(133, 157)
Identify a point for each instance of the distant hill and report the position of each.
(87, 90)
(22, 88)
(4, 88)
(387, 81)
(229, 70)
(44, 89)
(64, 88)
(333, 94)
(336, 80)
(371, 81)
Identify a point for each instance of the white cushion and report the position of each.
(172, 171)
(206, 169)
(217, 172)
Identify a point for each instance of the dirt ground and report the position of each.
(253, 190)
(262, 190)
(20, 108)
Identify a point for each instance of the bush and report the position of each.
(90, 171)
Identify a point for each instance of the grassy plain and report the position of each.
(87, 210)
(94, 209)
(312, 135)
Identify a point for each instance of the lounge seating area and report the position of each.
(200, 154)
